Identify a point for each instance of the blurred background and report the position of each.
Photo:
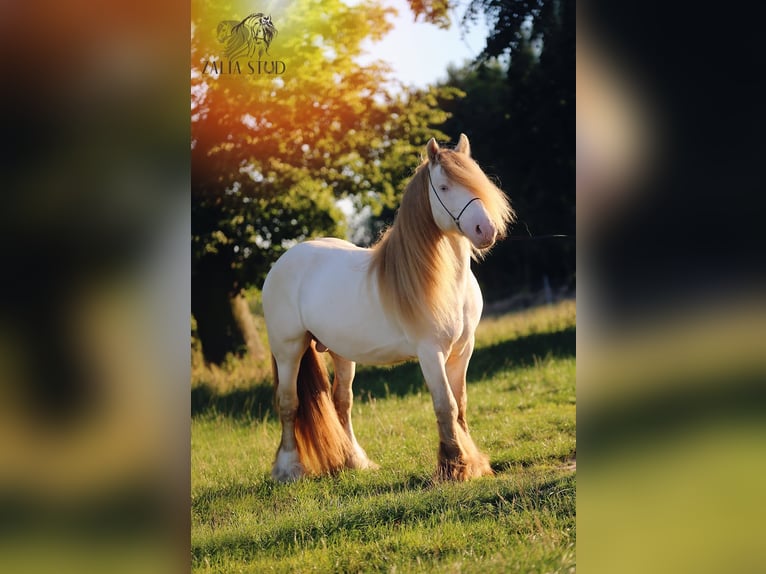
(94, 312)
(97, 275)
(671, 321)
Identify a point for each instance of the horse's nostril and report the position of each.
(478, 230)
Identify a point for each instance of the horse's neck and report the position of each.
(462, 248)
(455, 288)
(425, 287)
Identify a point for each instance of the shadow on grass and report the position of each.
(406, 379)
(566, 461)
(364, 521)
(256, 402)
(376, 486)
(372, 486)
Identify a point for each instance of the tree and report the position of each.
(519, 111)
(272, 153)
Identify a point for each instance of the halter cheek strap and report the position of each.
(455, 219)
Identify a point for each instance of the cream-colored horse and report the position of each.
(411, 296)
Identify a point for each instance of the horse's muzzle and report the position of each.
(484, 236)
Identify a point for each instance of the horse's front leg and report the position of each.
(457, 454)
(457, 369)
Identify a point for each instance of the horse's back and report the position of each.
(304, 261)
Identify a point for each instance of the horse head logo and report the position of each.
(244, 38)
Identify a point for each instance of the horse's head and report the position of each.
(462, 198)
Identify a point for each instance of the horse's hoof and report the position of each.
(359, 461)
(368, 465)
(284, 477)
(463, 468)
(287, 467)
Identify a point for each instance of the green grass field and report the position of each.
(521, 410)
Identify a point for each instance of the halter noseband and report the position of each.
(455, 219)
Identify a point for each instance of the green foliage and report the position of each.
(517, 105)
(272, 154)
(520, 115)
(522, 413)
(433, 11)
(512, 23)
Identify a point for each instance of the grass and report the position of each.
(521, 408)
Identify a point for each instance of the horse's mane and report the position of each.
(416, 265)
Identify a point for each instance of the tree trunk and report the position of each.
(246, 324)
(224, 323)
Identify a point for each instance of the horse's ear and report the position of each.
(432, 148)
(463, 146)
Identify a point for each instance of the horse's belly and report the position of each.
(342, 311)
(358, 332)
(367, 348)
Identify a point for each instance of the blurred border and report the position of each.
(671, 309)
(94, 322)
(94, 313)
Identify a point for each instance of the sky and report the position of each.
(420, 52)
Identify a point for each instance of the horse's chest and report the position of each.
(456, 331)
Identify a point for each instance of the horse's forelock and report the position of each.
(462, 169)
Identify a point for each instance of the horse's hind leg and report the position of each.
(287, 465)
(343, 398)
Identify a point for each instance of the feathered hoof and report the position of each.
(461, 466)
(358, 460)
(287, 467)
(367, 464)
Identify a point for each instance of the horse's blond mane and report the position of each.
(416, 265)
(461, 169)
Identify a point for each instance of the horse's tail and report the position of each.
(323, 445)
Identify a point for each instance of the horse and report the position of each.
(412, 295)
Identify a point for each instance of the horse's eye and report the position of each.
(442, 188)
